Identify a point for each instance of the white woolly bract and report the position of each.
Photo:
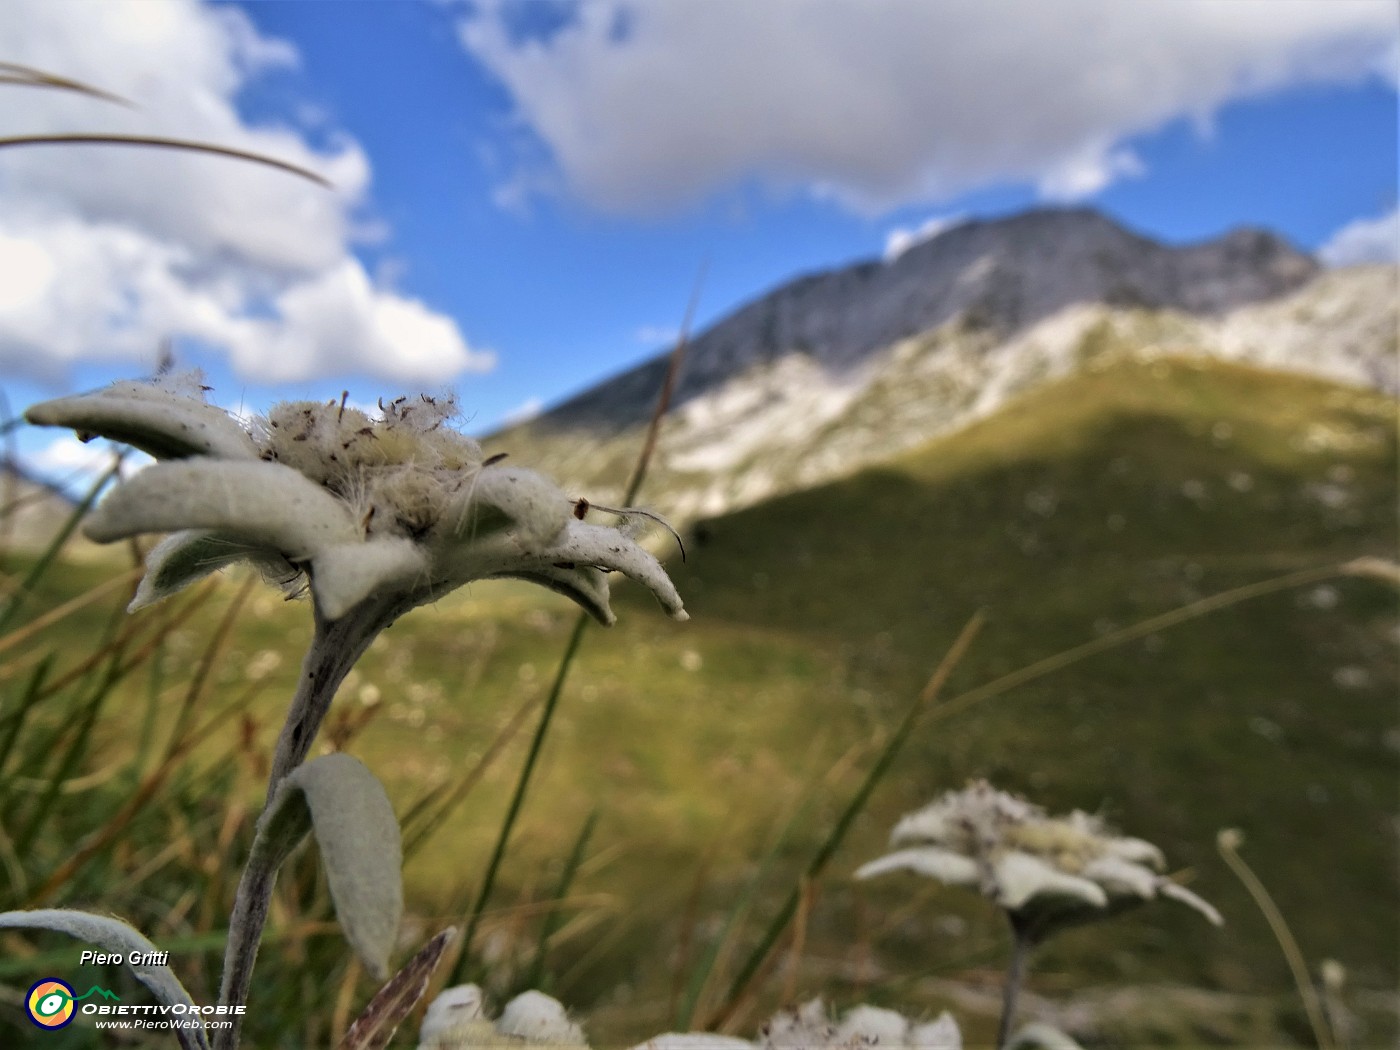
(942, 1033)
(695, 1041)
(873, 1024)
(533, 503)
(452, 1007)
(344, 575)
(1177, 892)
(1122, 878)
(1020, 878)
(155, 420)
(261, 504)
(1039, 1036)
(941, 864)
(540, 1019)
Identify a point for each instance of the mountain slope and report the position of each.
(840, 369)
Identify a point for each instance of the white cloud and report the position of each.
(901, 238)
(1374, 240)
(69, 460)
(657, 334)
(647, 107)
(1093, 170)
(105, 252)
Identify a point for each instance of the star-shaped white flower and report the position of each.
(401, 509)
(1047, 872)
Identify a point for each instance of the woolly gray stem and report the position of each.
(335, 647)
(1021, 943)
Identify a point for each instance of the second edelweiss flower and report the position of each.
(401, 507)
(1045, 871)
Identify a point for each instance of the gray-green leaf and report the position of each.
(359, 838)
(113, 936)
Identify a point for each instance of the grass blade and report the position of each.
(759, 956)
(46, 559)
(157, 142)
(551, 918)
(663, 403)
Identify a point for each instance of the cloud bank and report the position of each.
(647, 107)
(1369, 240)
(106, 252)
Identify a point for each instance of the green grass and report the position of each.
(1085, 507)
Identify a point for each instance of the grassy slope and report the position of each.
(1088, 505)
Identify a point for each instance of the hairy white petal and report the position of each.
(1122, 878)
(580, 545)
(1177, 892)
(940, 1034)
(1139, 851)
(1042, 1036)
(1021, 877)
(260, 504)
(344, 575)
(694, 1041)
(874, 1025)
(452, 1007)
(166, 425)
(944, 865)
(540, 1019)
(606, 548)
(930, 824)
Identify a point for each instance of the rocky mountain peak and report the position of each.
(838, 369)
(999, 275)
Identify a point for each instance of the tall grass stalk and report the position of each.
(553, 917)
(1228, 842)
(634, 484)
(739, 988)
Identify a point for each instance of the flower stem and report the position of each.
(1021, 944)
(335, 646)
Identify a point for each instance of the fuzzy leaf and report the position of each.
(259, 504)
(113, 936)
(157, 421)
(1122, 878)
(379, 1020)
(359, 839)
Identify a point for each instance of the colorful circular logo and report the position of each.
(50, 1003)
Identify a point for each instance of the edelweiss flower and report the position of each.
(1045, 871)
(810, 1027)
(390, 512)
(456, 1020)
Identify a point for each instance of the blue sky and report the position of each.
(526, 193)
